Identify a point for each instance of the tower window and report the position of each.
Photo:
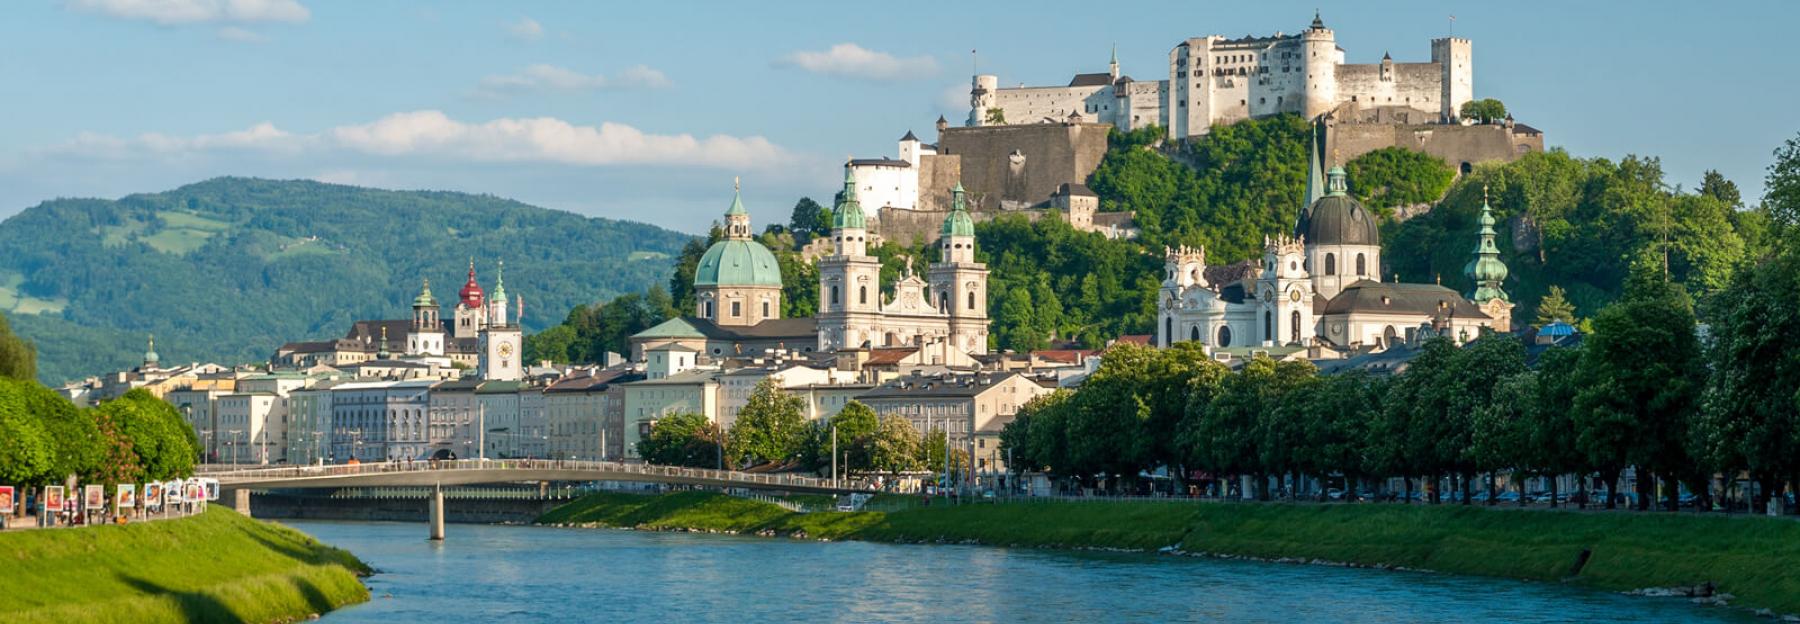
(708, 313)
(1224, 336)
(1194, 333)
(1331, 264)
(1168, 331)
(1269, 324)
(737, 309)
(1361, 265)
(765, 306)
(971, 300)
(834, 295)
(1294, 331)
(862, 294)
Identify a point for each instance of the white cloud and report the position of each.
(552, 78)
(172, 12)
(853, 61)
(434, 135)
(551, 140)
(954, 97)
(241, 35)
(524, 29)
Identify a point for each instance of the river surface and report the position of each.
(537, 574)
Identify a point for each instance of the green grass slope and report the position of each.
(1753, 558)
(230, 269)
(215, 567)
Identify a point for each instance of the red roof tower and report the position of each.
(471, 294)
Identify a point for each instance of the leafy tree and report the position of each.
(1227, 433)
(932, 450)
(18, 358)
(164, 444)
(895, 446)
(770, 427)
(1555, 308)
(682, 440)
(1338, 412)
(1750, 419)
(996, 117)
(1395, 176)
(809, 217)
(1402, 439)
(1554, 448)
(27, 454)
(1781, 187)
(590, 332)
(1486, 110)
(681, 282)
(1501, 439)
(856, 428)
(72, 435)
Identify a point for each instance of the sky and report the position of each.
(647, 111)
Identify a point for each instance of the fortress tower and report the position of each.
(1456, 60)
(1319, 59)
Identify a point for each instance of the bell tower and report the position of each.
(502, 343)
(958, 282)
(849, 279)
(426, 336)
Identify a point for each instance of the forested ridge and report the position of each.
(229, 269)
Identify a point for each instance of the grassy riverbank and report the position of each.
(1753, 558)
(215, 567)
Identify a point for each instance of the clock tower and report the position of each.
(502, 343)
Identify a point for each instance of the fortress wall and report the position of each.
(1454, 144)
(937, 176)
(1050, 155)
(910, 226)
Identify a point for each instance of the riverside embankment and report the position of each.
(1752, 558)
(214, 567)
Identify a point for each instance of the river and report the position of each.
(535, 574)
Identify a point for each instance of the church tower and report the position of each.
(470, 314)
(502, 344)
(1488, 272)
(849, 279)
(426, 336)
(958, 282)
(1285, 293)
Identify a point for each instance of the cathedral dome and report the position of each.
(738, 263)
(1337, 218)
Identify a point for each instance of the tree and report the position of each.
(71, 433)
(1555, 308)
(27, 455)
(1781, 187)
(1339, 410)
(1503, 430)
(1486, 110)
(809, 217)
(682, 440)
(895, 446)
(18, 357)
(1396, 176)
(856, 426)
(1750, 417)
(164, 445)
(996, 117)
(1403, 440)
(770, 427)
(1554, 441)
(932, 454)
(1714, 185)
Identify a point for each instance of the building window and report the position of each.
(862, 294)
(1362, 267)
(765, 307)
(1194, 333)
(737, 309)
(1294, 331)
(1268, 325)
(1168, 331)
(971, 300)
(1331, 264)
(708, 313)
(1224, 336)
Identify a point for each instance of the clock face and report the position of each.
(505, 348)
(1294, 296)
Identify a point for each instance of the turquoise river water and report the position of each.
(536, 574)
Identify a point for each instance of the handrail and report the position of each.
(236, 473)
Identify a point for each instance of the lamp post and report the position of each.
(232, 442)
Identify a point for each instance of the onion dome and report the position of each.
(958, 223)
(425, 300)
(150, 356)
(1486, 269)
(1337, 218)
(848, 214)
(471, 292)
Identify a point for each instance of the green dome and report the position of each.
(958, 223)
(848, 214)
(738, 263)
(1486, 269)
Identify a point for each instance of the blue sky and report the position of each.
(646, 111)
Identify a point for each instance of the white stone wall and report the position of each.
(1027, 105)
(1330, 277)
(886, 185)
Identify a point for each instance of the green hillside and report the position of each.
(229, 269)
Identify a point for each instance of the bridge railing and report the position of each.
(237, 473)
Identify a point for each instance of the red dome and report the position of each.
(471, 294)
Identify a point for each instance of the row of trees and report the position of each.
(45, 439)
(1639, 392)
(772, 429)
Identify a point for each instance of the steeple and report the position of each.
(737, 219)
(958, 223)
(1485, 269)
(382, 352)
(497, 301)
(1335, 185)
(1317, 24)
(1113, 65)
(150, 356)
(848, 213)
(1315, 158)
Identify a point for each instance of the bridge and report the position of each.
(436, 474)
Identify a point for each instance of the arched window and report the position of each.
(709, 311)
(971, 300)
(1331, 264)
(1362, 265)
(1224, 336)
(944, 301)
(1168, 331)
(1387, 337)
(834, 297)
(1194, 333)
(862, 294)
(1268, 325)
(1294, 331)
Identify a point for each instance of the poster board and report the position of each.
(212, 489)
(6, 499)
(53, 498)
(127, 496)
(172, 492)
(95, 498)
(153, 495)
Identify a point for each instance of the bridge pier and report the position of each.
(437, 513)
(240, 501)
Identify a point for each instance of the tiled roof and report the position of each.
(1371, 297)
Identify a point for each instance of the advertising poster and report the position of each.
(6, 499)
(195, 492)
(153, 495)
(95, 498)
(212, 489)
(172, 492)
(53, 498)
(127, 496)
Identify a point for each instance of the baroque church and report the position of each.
(1322, 286)
(737, 295)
